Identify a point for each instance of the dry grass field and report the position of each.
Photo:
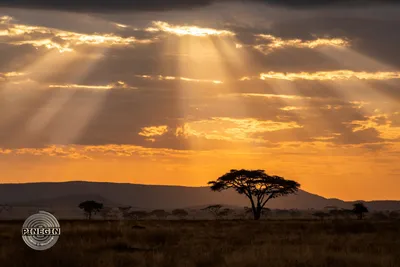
(293, 243)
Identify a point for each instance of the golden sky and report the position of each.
(181, 97)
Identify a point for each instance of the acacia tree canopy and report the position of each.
(90, 206)
(256, 185)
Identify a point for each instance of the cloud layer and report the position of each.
(170, 93)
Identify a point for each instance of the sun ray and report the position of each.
(37, 71)
(350, 58)
(199, 56)
(37, 80)
(66, 110)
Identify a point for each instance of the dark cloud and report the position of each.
(325, 3)
(365, 136)
(106, 6)
(380, 120)
(162, 5)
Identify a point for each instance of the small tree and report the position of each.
(256, 185)
(321, 215)
(125, 211)
(213, 209)
(225, 213)
(160, 214)
(107, 213)
(345, 213)
(180, 213)
(359, 209)
(138, 214)
(90, 207)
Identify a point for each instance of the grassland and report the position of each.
(293, 243)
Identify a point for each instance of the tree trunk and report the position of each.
(257, 213)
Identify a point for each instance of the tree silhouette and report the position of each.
(180, 213)
(214, 210)
(138, 214)
(90, 207)
(109, 213)
(125, 211)
(359, 209)
(225, 213)
(321, 215)
(160, 214)
(256, 185)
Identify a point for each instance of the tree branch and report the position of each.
(269, 197)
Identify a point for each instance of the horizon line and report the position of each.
(165, 185)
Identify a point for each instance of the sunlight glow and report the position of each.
(379, 71)
(278, 43)
(231, 129)
(276, 96)
(186, 30)
(39, 37)
(331, 75)
(160, 77)
(118, 84)
(153, 131)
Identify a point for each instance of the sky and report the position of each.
(180, 92)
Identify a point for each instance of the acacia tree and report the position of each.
(256, 185)
(180, 213)
(321, 215)
(160, 214)
(225, 213)
(359, 209)
(214, 210)
(90, 207)
(138, 214)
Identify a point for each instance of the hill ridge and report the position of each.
(165, 196)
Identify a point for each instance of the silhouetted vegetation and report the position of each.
(256, 185)
(138, 214)
(160, 214)
(90, 207)
(359, 209)
(125, 211)
(176, 243)
(214, 210)
(180, 213)
(321, 215)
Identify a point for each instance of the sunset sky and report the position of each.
(181, 92)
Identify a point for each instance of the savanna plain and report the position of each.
(210, 243)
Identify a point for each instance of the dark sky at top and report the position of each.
(160, 5)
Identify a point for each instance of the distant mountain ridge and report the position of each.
(157, 196)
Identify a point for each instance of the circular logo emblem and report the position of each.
(41, 231)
